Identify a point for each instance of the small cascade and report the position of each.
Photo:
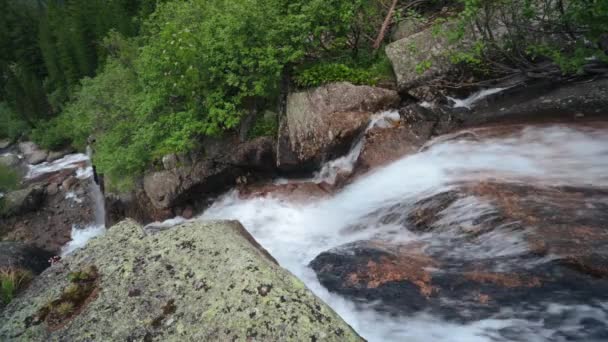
(81, 235)
(473, 98)
(345, 164)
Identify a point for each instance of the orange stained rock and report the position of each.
(503, 279)
(412, 268)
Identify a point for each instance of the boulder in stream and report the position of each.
(322, 123)
(201, 281)
(494, 246)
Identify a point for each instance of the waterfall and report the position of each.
(81, 235)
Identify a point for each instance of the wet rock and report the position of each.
(322, 123)
(43, 216)
(69, 183)
(296, 191)
(494, 246)
(52, 189)
(371, 270)
(198, 281)
(32, 153)
(18, 255)
(539, 102)
(385, 145)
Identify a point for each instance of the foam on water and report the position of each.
(295, 233)
(469, 101)
(69, 161)
(331, 169)
(81, 236)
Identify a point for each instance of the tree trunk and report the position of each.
(385, 24)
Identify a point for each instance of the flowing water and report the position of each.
(81, 164)
(295, 232)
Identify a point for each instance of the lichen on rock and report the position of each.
(201, 281)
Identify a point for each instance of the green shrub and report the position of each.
(567, 33)
(265, 126)
(360, 71)
(11, 127)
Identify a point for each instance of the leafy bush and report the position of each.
(197, 68)
(360, 72)
(12, 126)
(567, 33)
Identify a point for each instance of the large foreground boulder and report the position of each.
(323, 122)
(196, 282)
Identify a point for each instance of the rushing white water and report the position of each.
(69, 161)
(331, 169)
(295, 233)
(469, 101)
(81, 236)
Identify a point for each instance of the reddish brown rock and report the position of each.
(385, 145)
(297, 191)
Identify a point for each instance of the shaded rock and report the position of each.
(494, 247)
(69, 183)
(32, 153)
(18, 255)
(45, 219)
(322, 123)
(220, 167)
(170, 161)
(543, 102)
(52, 189)
(5, 143)
(54, 155)
(9, 160)
(136, 205)
(195, 282)
(22, 201)
(407, 27)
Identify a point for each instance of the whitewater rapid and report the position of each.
(295, 232)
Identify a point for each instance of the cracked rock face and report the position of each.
(201, 281)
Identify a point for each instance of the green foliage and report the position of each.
(265, 126)
(11, 282)
(423, 66)
(196, 68)
(567, 33)
(9, 180)
(12, 125)
(360, 72)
